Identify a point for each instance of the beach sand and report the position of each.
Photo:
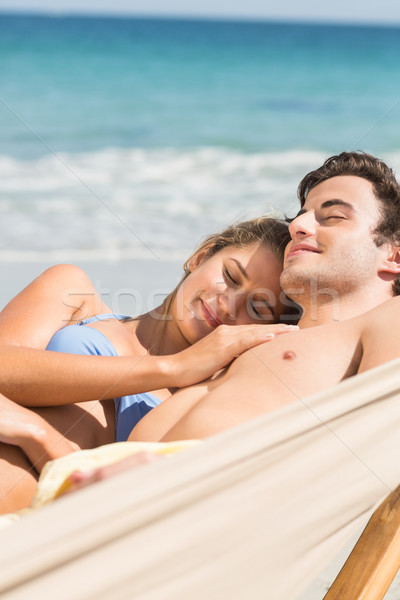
(128, 286)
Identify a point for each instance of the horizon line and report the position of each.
(65, 13)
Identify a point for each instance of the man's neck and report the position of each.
(322, 312)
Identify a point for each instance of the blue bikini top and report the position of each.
(79, 339)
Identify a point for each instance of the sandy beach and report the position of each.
(128, 286)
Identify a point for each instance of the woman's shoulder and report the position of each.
(76, 288)
(64, 272)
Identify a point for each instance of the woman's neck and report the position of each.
(158, 333)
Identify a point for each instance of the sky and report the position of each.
(352, 11)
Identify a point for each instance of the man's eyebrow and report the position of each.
(337, 202)
(326, 204)
(241, 268)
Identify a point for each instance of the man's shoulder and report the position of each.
(379, 337)
(385, 311)
(382, 317)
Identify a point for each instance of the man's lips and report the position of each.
(209, 316)
(298, 249)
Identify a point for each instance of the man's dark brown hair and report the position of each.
(385, 186)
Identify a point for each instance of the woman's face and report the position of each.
(236, 286)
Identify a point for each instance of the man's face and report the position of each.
(332, 243)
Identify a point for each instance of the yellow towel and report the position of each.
(55, 479)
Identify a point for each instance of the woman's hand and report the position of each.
(81, 479)
(16, 423)
(219, 348)
(22, 427)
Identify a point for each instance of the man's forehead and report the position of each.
(355, 193)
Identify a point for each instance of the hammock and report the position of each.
(254, 512)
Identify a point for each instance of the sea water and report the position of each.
(136, 137)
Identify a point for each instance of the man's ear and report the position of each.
(391, 264)
(198, 258)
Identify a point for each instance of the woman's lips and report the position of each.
(212, 320)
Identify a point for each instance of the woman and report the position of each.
(232, 279)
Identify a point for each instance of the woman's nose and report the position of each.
(233, 305)
(303, 225)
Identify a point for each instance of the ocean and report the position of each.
(133, 137)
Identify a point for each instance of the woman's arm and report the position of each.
(36, 438)
(41, 378)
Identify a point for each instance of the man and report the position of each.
(342, 267)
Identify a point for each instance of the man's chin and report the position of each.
(293, 278)
(288, 274)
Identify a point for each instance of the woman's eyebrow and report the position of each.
(241, 268)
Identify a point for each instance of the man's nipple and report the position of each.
(289, 355)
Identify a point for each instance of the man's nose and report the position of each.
(303, 226)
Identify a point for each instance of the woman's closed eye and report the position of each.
(230, 278)
(262, 310)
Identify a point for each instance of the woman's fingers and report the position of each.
(256, 334)
(244, 336)
(80, 479)
(219, 348)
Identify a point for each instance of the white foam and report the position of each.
(132, 200)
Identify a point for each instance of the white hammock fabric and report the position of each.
(255, 512)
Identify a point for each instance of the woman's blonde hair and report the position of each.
(266, 230)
